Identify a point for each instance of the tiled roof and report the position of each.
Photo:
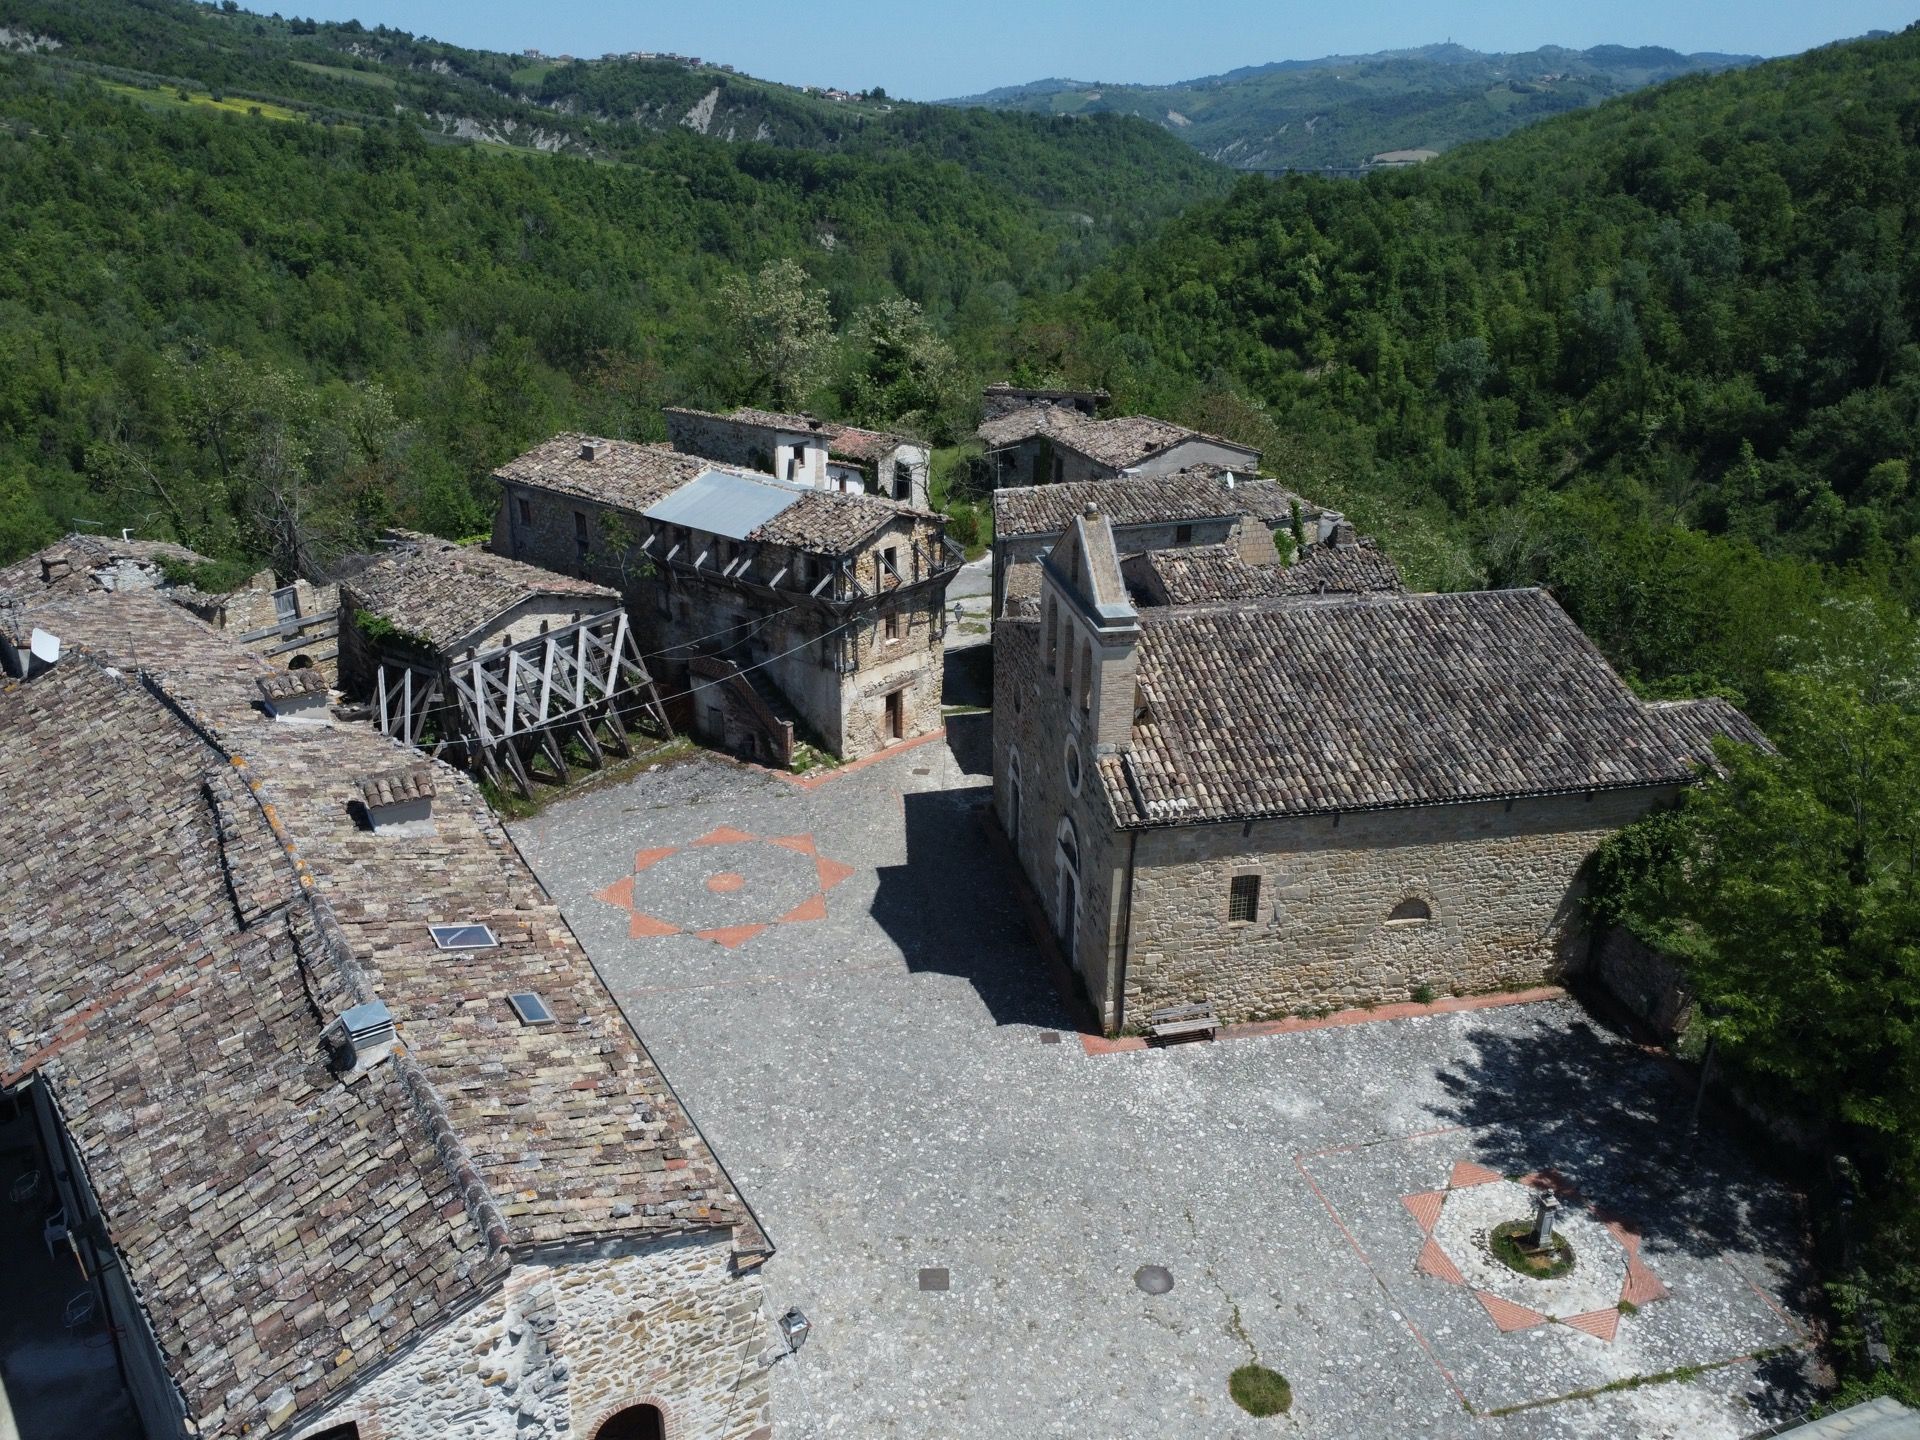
(1307, 706)
(827, 522)
(625, 474)
(1216, 572)
(444, 592)
(174, 889)
(1117, 443)
(289, 683)
(1701, 722)
(849, 442)
(1146, 500)
(395, 787)
(636, 477)
(70, 565)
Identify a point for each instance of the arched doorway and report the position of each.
(1066, 866)
(636, 1422)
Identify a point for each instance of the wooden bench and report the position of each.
(1182, 1022)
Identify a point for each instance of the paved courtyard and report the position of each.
(839, 980)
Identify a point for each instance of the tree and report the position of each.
(24, 526)
(900, 371)
(776, 327)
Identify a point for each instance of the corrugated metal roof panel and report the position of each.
(722, 504)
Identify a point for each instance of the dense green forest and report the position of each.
(1342, 110)
(232, 325)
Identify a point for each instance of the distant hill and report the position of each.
(1343, 110)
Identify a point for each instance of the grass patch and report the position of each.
(508, 804)
(1260, 1391)
(202, 100)
(1423, 994)
(342, 72)
(1508, 1245)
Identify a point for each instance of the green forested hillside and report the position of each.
(182, 271)
(1671, 337)
(1344, 109)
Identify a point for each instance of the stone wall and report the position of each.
(1501, 884)
(1650, 985)
(253, 607)
(1500, 887)
(834, 681)
(561, 1347)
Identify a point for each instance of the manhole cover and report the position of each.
(1154, 1279)
(1049, 1037)
(936, 1278)
(923, 770)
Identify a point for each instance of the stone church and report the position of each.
(1275, 803)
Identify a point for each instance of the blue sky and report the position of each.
(930, 49)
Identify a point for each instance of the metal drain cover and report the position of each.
(1154, 1279)
(1049, 1037)
(935, 1278)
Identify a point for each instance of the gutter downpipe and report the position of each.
(1118, 982)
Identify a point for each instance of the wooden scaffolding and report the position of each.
(505, 710)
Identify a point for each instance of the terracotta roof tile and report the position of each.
(1146, 500)
(1216, 572)
(445, 592)
(170, 905)
(1304, 706)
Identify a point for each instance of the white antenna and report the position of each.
(126, 532)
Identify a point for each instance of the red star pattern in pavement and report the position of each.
(1641, 1286)
(642, 925)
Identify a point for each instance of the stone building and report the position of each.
(1202, 505)
(822, 453)
(339, 1123)
(1249, 567)
(291, 624)
(1312, 802)
(489, 661)
(767, 608)
(1003, 399)
(1058, 444)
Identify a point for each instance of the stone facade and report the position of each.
(802, 447)
(1501, 883)
(835, 661)
(563, 1347)
(1045, 460)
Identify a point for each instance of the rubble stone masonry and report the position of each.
(563, 1347)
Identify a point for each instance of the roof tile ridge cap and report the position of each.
(481, 1206)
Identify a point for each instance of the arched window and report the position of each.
(1086, 676)
(1051, 624)
(300, 662)
(636, 1422)
(1066, 894)
(1411, 911)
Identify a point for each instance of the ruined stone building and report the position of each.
(1054, 444)
(819, 452)
(492, 662)
(1003, 399)
(1273, 803)
(1203, 505)
(292, 624)
(332, 1107)
(768, 609)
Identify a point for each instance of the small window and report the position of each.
(891, 621)
(1183, 534)
(531, 1009)
(889, 566)
(462, 937)
(581, 541)
(902, 480)
(1411, 911)
(526, 511)
(1243, 898)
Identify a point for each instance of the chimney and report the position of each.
(296, 695)
(55, 565)
(1253, 542)
(1329, 522)
(595, 449)
(399, 799)
(359, 1039)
